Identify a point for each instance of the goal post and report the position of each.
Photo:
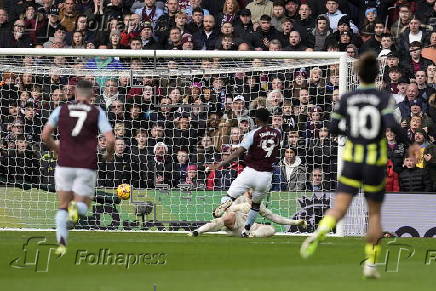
(33, 81)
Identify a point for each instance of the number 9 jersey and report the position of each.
(263, 148)
(78, 126)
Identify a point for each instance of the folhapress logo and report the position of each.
(36, 255)
(104, 257)
(397, 253)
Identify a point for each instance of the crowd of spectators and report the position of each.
(169, 129)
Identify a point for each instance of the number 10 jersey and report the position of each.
(363, 116)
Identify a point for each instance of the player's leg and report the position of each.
(214, 225)
(374, 222)
(64, 180)
(372, 246)
(237, 188)
(262, 230)
(374, 186)
(348, 186)
(236, 226)
(332, 216)
(61, 218)
(78, 207)
(83, 188)
(261, 188)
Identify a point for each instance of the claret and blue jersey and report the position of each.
(263, 148)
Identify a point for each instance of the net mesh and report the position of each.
(172, 118)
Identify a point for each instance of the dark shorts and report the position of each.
(370, 178)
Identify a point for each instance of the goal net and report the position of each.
(173, 113)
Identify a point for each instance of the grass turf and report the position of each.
(209, 263)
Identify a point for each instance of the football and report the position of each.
(123, 191)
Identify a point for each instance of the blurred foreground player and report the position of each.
(262, 146)
(78, 123)
(362, 116)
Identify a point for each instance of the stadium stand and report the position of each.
(169, 131)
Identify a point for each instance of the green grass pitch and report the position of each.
(206, 263)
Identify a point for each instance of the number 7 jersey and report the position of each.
(263, 148)
(78, 126)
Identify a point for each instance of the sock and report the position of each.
(372, 252)
(214, 225)
(252, 214)
(227, 198)
(263, 231)
(82, 208)
(326, 224)
(61, 226)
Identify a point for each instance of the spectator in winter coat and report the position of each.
(306, 18)
(405, 15)
(16, 38)
(317, 182)
(265, 33)
(259, 8)
(334, 15)
(321, 32)
(413, 179)
(413, 61)
(160, 167)
(180, 168)
(206, 39)
(290, 174)
(20, 164)
(414, 33)
(396, 151)
(278, 15)
(411, 95)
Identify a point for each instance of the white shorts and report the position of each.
(260, 182)
(79, 180)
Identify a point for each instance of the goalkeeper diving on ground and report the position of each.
(233, 220)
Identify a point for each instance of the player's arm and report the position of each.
(236, 154)
(337, 121)
(106, 129)
(268, 214)
(243, 146)
(47, 131)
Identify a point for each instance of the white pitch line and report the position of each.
(149, 231)
(284, 243)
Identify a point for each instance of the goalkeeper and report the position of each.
(235, 216)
